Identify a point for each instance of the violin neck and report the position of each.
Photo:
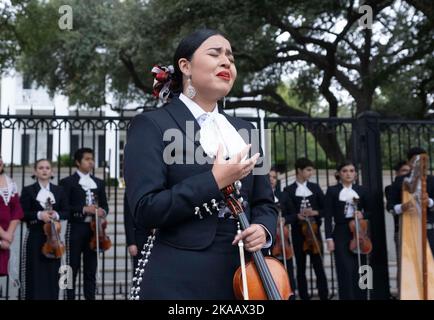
(53, 230)
(261, 266)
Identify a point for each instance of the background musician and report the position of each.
(293, 195)
(41, 273)
(79, 233)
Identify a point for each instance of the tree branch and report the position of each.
(132, 70)
(393, 67)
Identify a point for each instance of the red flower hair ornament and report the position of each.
(162, 81)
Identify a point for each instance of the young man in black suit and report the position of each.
(293, 195)
(79, 188)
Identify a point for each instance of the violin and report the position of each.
(310, 230)
(360, 242)
(282, 247)
(53, 248)
(266, 277)
(99, 241)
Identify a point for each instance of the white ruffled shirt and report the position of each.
(86, 181)
(347, 195)
(42, 197)
(215, 129)
(302, 190)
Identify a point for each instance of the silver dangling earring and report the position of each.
(190, 91)
(224, 102)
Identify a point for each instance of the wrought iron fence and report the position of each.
(26, 138)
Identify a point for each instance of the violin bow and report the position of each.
(282, 237)
(243, 265)
(97, 222)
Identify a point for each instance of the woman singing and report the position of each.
(172, 184)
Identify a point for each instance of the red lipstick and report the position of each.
(225, 75)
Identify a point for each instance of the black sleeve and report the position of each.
(321, 201)
(75, 210)
(102, 197)
(328, 213)
(63, 206)
(395, 195)
(288, 208)
(152, 203)
(30, 214)
(129, 224)
(387, 194)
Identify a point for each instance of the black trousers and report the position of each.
(318, 267)
(79, 236)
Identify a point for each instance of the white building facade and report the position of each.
(47, 139)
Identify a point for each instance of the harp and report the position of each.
(417, 262)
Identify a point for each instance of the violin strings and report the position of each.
(268, 281)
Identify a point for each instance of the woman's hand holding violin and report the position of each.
(254, 238)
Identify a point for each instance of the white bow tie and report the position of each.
(348, 195)
(43, 195)
(87, 182)
(216, 130)
(302, 191)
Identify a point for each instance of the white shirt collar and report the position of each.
(347, 194)
(301, 183)
(194, 108)
(42, 187)
(81, 174)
